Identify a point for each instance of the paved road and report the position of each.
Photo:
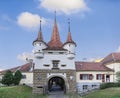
(58, 94)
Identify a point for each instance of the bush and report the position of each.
(7, 78)
(118, 76)
(17, 77)
(108, 85)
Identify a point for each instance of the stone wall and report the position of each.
(40, 80)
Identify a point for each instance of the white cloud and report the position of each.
(29, 20)
(118, 50)
(64, 6)
(25, 56)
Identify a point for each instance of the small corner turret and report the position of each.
(70, 44)
(39, 45)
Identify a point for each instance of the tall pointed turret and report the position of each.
(55, 42)
(39, 44)
(40, 36)
(69, 37)
(70, 45)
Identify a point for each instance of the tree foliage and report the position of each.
(118, 76)
(17, 77)
(7, 78)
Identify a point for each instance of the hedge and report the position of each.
(108, 85)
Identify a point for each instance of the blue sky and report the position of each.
(95, 27)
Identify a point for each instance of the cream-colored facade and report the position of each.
(27, 78)
(94, 79)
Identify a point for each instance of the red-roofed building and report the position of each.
(26, 70)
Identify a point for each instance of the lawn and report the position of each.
(18, 92)
(106, 93)
(26, 92)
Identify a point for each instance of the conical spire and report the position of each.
(69, 37)
(55, 38)
(40, 36)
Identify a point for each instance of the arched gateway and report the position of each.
(54, 63)
(56, 83)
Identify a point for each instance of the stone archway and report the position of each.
(56, 83)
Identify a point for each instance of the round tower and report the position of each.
(39, 45)
(70, 45)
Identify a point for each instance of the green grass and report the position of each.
(18, 92)
(26, 92)
(106, 93)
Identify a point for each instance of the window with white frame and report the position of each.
(86, 76)
(23, 76)
(99, 76)
(85, 87)
(55, 64)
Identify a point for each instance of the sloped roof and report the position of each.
(91, 66)
(69, 39)
(40, 36)
(23, 68)
(111, 58)
(55, 42)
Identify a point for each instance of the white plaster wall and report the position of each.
(38, 47)
(90, 83)
(94, 76)
(56, 74)
(70, 48)
(48, 58)
(116, 68)
(28, 79)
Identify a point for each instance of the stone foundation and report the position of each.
(41, 78)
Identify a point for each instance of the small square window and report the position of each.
(63, 65)
(46, 65)
(23, 76)
(85, 87)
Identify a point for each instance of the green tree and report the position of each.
(17, 77)
(118, 76)
(7, 78)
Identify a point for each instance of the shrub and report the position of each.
(17, 77)
(118, 76)
(108, 85)
(7, 78)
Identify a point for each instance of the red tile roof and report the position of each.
(90, 66)
(111, 58)
(69, 39)
(55, 38)
(55, 48)
(23, 68)
(40, 36)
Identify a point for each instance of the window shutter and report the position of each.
(103, 78)
(90, 76)
(81, 75)
(96, 76)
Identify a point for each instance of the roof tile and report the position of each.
(91, 66)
